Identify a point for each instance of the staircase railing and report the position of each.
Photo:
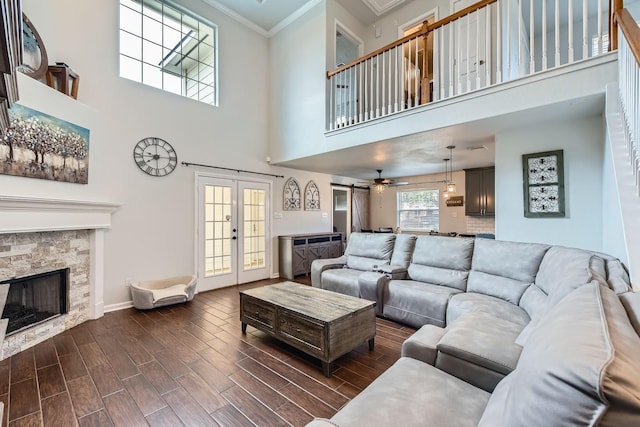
(489, 42)
(629, 85)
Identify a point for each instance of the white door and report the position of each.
(233, 231)
(470, 47)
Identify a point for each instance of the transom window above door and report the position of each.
(165, 46)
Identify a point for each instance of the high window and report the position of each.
(419, 210)
(167, 47)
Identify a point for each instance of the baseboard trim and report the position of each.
(118, 306)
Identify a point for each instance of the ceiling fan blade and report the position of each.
(398, 183)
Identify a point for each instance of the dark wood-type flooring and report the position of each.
(187, 364)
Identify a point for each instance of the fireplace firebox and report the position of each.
(34, 299)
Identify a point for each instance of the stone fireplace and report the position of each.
(38, 236)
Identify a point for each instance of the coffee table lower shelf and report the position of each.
(323, 324)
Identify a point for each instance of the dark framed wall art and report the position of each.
(543, 175)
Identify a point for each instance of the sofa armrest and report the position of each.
(320, 265)
(422, 345)
(394, 272)
(371, 284)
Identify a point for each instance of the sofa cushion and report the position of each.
(564, 269)
(342, 280)
(484, 340)
(403, 250)
(504, 269)
(438, 276)
(416, 303)
(617, 276)
(515, 260)
(366, 251)
(443, 252)
(505, 288)
(533, 301)
(631, 303)
(413, 393)
(579, 367)
(469, 302)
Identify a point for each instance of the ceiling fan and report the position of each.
(380, 183)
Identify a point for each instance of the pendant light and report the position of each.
(451, 187)
(445, 193)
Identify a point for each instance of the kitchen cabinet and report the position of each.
(297, 251)
(480, 192)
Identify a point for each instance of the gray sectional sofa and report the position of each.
(510, 334)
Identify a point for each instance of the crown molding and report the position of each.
(236, 16)
(258, 29)
(294, 16)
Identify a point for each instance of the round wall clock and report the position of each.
(155, 156)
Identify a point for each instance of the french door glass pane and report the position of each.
(253, 228)
(217, 230)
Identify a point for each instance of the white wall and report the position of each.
(153, 233)
(384, 206)
(613, 241)
(388, 25)
(582, 142)
(297, 86)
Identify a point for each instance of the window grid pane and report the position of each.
(418, 210)
(168, 49)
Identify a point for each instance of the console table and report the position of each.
(297, 251)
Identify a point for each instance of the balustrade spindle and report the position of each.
(395, 106)
(508, 59)
(532, 56)
(350, 95)
(416, 72)
(377, 85)
(478, 59)
(383, 104)
(544, 35)
(487, 47)
(388, 80)
(468, 54)
(600, 41)
(570, 52)
(499, 42)
(361, 92)
(332, 107)
(557, 34)
(451, 58)
(371, 100)
(520, 59)
(585, 29)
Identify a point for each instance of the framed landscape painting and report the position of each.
(37, 145)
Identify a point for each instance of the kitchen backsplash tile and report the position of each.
(477, 225)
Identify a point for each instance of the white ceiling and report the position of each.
(267, 16)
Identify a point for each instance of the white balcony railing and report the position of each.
(629, 86)
(490, 42)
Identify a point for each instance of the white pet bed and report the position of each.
(158, 293)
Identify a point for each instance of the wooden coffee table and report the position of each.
(321, 323)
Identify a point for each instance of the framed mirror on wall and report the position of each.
(34, 55)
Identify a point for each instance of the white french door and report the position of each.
(233, 231)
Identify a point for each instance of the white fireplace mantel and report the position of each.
(31, 214)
